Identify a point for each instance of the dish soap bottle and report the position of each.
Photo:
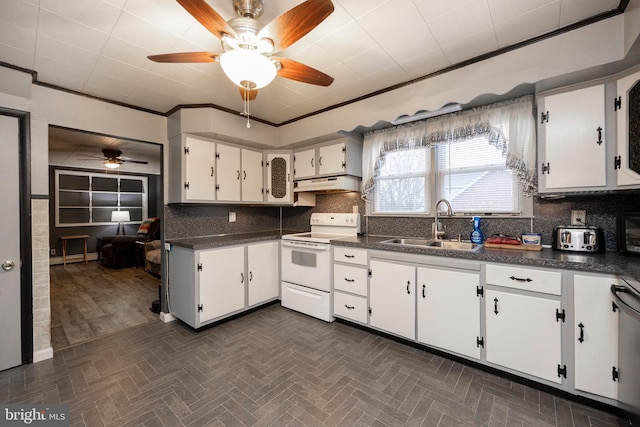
(476, 235)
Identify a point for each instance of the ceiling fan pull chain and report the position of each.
(246, 105)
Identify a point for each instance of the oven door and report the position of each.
(307, 264)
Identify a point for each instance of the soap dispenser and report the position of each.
(476, 235)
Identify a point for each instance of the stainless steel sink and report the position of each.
(438, 244)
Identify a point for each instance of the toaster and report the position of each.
(578, 239)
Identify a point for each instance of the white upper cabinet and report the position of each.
(252, 176)
(192, 170)
(571, 140)
(339, 157)
(228, 174)
(278, 186)
(627, 110)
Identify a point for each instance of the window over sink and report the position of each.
(482, 161)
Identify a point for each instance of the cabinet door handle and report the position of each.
(312, 162)
(408, 283)
(211, 170)
(238, 174)
(244, 177)
(349, 256)
(519, 279)
(495, 305)
(250, 275)
(241, 277)
(599, 130)
(424, 287)
(349, 307)
(320, 160)
(349, 280)
(581, 338)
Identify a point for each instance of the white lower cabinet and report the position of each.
(595, 335)
(349, 306)
(523, 334)
(392, 300)
(448, 310)
(210, 284)
(262, 271)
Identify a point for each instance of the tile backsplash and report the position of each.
(201, 220)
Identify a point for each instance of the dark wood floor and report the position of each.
(276, 367)
(90, 301)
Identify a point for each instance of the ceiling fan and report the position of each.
(248, 45)
(113, 158)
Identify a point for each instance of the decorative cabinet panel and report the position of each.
(572, 148)
(278, 187)
(595, 335)
(449, 310)
(392, 300)
(339, 157)
(627, 110)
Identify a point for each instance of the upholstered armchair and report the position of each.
(153, 257)
(121, 251)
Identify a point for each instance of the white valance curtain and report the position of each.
(508, 125)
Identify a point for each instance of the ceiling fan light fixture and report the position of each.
(112, 164)
(244, 65)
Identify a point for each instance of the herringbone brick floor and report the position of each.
(275, 367)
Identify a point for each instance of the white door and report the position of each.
(222, 282)
(449, 310)
(228, 173)
(252, 176)
(304, 164)
(596, 335)
(200, 180)
(10, 324)
(263, 272)
(523, 334)
(331, 159)
(575, 157)
(392, 298)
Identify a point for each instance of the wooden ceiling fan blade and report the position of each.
(208, 17)
(295, 23)
(252, 93)
(303, 73)
(192, 57)
(141, 162)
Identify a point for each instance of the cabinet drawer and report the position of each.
(350, 306)
(545, 281)
(350, 255)
(350, 279)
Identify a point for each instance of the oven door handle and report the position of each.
(318, 247)
(615, 289)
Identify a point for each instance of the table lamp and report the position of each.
(120, 217)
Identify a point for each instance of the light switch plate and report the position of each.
(578, 217)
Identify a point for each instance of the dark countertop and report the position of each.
(608, 262)
(220, 240)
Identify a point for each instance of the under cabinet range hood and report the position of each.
(334, 184)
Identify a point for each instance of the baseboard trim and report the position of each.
(40, 355)
(166, 317)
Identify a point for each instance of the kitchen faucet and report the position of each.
(435, 216)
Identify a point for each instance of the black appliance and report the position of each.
(628, 233)
(626, 296)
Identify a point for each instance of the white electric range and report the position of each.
(307, 265)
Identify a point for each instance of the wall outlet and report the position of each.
(232, 217)
(578, 217)
(53, 251)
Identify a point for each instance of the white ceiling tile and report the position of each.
(357, 8)
(119, 70)
(528, 25)
(461, 21)
(94, 14)
(108, 88)
(61, 74)
(346, 42)
(361, 64)
(128, 53)
(470, 46)
(17, 57)
(425, 63)
(201, 37)
(432, 9)
(387, 77)
(71, 32)
(503, 10)
(168, 15)
(55, 49)
(577, 10)
(140, 33)
(19, 13)
(17, 37)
